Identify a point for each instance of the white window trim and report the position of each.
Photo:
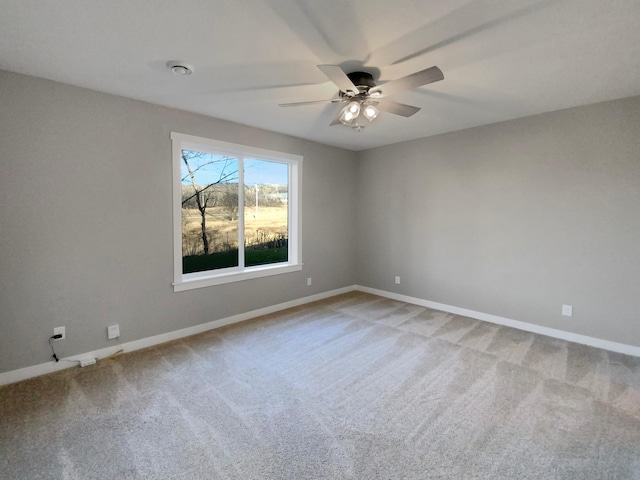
(209, 278)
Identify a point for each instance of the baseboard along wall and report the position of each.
(68, 362)
(527, 327)
(74, 360)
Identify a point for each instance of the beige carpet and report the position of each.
(356, 386)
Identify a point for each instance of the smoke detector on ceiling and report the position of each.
(180, 68)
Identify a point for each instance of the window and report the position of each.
(236, 212)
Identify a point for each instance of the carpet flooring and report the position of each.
(352, 387)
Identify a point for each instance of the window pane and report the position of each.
(266, 214)
(209, 211)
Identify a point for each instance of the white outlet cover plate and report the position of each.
(59, 330)
(567, 310)
(113, 331)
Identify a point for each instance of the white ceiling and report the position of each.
(502, 59)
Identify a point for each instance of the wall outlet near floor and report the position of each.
(567, 310)
(397, 280)
(113, 331)
(59, 331)
(309, 282)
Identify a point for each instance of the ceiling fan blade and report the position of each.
(397, 108)
(423, 77)
(336, 121)
(313, 102)
(337, 76)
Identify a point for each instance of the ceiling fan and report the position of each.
(366, 99)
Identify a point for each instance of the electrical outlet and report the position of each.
(309, 282)
(567, 310)
(397, 280)
(113, 331)
(59, 331)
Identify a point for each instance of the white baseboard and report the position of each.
(528, 327)
(68, 362)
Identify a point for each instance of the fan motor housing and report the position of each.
(362, 80)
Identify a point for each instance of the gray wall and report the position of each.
(86, 221)
(513, 219)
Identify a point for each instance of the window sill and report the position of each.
(207, 279)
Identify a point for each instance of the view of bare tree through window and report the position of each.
(210, 211)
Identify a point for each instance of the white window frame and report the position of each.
(208, 278)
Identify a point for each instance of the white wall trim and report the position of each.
(68, 362)
(528, 327)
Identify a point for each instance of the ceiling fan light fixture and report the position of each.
(347, 117)
(350, 113)
(370, 112)
(360, 92)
